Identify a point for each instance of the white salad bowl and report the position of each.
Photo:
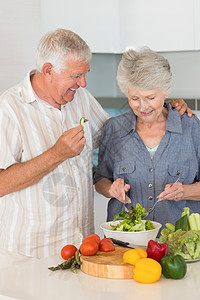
(139, 238)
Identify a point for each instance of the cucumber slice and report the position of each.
(82, 121)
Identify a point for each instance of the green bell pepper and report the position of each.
(173, 266)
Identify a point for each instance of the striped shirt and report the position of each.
(58, 210)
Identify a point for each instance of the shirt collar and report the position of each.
(28, 93)
(26, 88)
(173, 122)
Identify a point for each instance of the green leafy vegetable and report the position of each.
(184, 238)
(132, 220)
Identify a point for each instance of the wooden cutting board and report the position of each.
(107, 264)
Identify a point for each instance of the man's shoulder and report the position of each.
(10, 94)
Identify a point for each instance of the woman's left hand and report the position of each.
(172, 192)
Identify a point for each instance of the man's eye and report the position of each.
(75, 76)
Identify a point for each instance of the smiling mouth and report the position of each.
(146, 113)
(73, 90)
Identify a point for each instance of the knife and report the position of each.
(126, 244)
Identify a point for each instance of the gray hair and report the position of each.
(144, 69)
(55, 46)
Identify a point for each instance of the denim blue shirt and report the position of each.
(122, 154)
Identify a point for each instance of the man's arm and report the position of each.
(181, 106)
(22, 175)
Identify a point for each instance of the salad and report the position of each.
(131, 221)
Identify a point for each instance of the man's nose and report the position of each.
(82, 81)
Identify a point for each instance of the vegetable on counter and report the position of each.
(72, 263)
(89, 247)
(184, 237)
(92, 237)
(132, 220)
(68, 251)
(133, 255)
(156, 250)
(147, 270)
(173, 266)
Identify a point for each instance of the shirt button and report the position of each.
(150, 185)
(178, 173)
(150, 198)
(150, 170)
(124, 169)
(79, 189)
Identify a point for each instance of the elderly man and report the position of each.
(46, 183)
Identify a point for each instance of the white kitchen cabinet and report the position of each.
(95, 21)
(111, 26)
(162, 25)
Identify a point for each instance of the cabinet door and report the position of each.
(95, 21)
(159, 24)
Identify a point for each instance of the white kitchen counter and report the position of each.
(30, 279)
(25, 278)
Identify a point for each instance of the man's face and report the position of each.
(64, 85)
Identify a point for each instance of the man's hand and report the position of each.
(70, 143)
(118, 190)
(181, 106)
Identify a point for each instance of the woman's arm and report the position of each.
(181, 106)
(181, 192)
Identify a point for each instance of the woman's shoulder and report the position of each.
(190, 120)
(117, 121)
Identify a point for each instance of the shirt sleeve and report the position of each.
(10, 139)
(98, 116)
(196, 141)
(105, 155)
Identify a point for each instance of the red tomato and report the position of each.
(107, 240)
(89, 248)
(93, 237)
(68, 251)
(106, 247)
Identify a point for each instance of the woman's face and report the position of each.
(147, 104)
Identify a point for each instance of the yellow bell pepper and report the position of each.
(147, 270)
(133, 255)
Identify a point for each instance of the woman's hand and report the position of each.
(118, 189)
(181, 106)
(172, 192)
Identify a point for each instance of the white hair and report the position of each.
(55, 46)
(144, 69)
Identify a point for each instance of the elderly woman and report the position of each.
(144, 151)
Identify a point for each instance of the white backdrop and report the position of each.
(20, 30)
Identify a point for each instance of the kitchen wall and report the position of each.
(20, 30)
(185, 69)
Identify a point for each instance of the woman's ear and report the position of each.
(47, 70)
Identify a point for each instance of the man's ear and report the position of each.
(47, 70)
